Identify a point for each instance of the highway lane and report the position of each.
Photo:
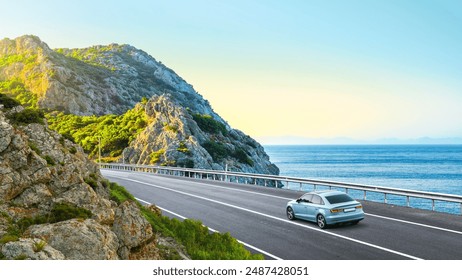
(256, 215)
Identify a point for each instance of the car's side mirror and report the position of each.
(299, 200)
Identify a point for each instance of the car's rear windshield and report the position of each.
(338, 198)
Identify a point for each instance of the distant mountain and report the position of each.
(173, 125)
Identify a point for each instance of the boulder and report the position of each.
(79, 240)
(31, 249)
(131, 228)
(5, 135)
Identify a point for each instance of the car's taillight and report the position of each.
(336, 210)
(359, 207)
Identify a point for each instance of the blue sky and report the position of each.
(285, 69)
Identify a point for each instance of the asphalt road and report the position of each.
(256, 216)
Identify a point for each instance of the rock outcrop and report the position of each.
(79, 240)
(178, 136)
(131, 228)
(44, 177)
(32, 249)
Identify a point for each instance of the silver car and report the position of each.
(325, 208)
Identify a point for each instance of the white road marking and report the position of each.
(214, 230)
(278, 219)
(413, 223)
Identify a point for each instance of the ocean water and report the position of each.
(433, 168)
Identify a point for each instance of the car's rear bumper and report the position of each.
(344, 217)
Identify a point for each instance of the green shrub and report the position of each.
(24, 223)
(20, 257)
(68, 136)
(169, 163)
(34, 148)
(92, 182)
(8, 238)
(93, 176)
(183, 148)
(155, 156)
(242, 157)
(72, 150)
(62, 212)
(16, 89)
(118, 193)
(8, 102)
(188, 163)
(38, 246)
(207, 124)
(13, 233)
(50, 160)
(171, 127)
(27, 116)
(217, 150)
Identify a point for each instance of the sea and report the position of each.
(430, 168)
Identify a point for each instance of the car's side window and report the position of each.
(317, 199)
(307, 197)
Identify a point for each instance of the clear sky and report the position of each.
(281, 70)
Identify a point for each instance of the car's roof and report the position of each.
(326, 192)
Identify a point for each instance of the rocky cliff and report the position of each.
(183, 130)
(54, 203)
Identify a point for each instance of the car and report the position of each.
(325, 208)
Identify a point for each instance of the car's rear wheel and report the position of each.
(321, 221)
(290, 213)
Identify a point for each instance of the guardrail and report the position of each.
(272, 180)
